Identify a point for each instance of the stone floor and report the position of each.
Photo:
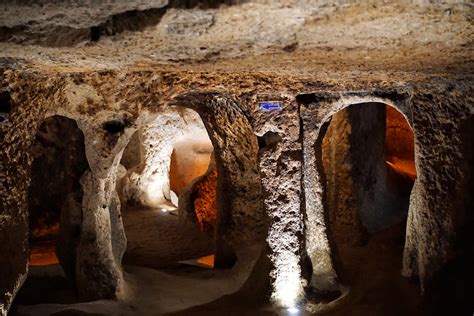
(157, 239)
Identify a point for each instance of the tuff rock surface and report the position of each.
(128, 62)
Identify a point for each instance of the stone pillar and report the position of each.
(102, 241)
(280, 161)
(342, 209)
(14, 246)
(324, 277)
(16, 136)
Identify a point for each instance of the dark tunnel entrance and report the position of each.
(54, 209)
(59, 161)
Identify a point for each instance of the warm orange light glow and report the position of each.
(405, 167)
(186, 165)
(399, 144)
(207, 261)
(43, 253)
(43, 245)
(205, 202)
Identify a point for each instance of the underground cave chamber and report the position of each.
(318, 154)
(168, 191)
(368, 170)
(367, 161)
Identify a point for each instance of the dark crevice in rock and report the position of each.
(52, 36)
(269, 140)
(134, 20)
(114, 126)
(206, 4)
(63, 35)
(5, 102)
(114, 129)
(5, 107)
(315, 98)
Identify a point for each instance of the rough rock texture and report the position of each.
(438, 202)
(266, 121)
(399, 140)
(280, 169)
(240, 216)
(160, 240)
(341, 198)
(225, 60)
(53, 24)
(362, 193)
(348, 176)
(382, 197)
(205, 202)
(148, 183)
(132, 156)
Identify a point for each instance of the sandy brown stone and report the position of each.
(115, 68)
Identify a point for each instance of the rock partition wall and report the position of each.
(341, 199)
(382, 201)
(399, 140)
(205, 202)
(106, 133)
(280, 160)
(16, 135)
(441, 192)
(190, 159)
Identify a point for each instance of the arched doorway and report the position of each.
(168, 190)
(368, 160)
(54, 209)
(368, 171)
(237, 196)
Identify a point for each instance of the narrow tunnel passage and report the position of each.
(169, 192)
(55, 208)
(59, 161)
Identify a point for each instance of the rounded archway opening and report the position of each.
(179, 173)
(168, 190)
(54, 211)
(368, 171)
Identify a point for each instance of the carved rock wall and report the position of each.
(103, 102)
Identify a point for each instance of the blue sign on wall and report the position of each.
(269, 105)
